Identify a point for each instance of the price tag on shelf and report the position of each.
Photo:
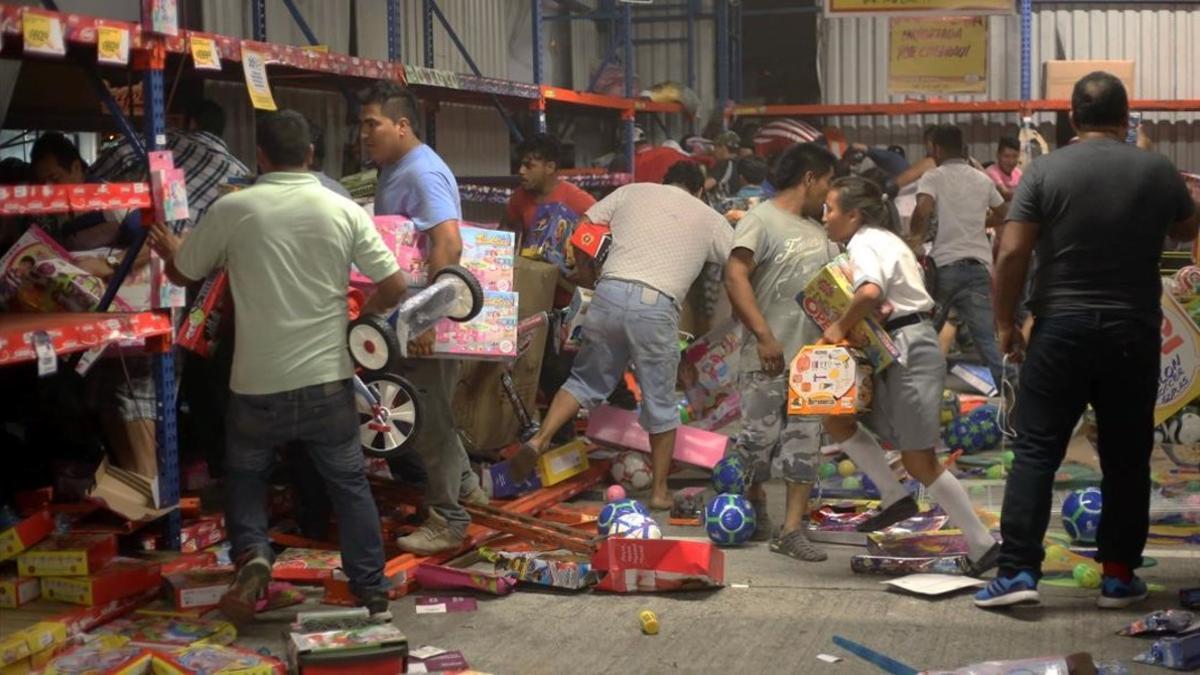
(204, 53)
(47, 360)
(89, 358)
(43, 33)
(112, 43)
(254, 67)
(432, 77)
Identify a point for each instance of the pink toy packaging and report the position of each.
(491, 336)
(487, 254)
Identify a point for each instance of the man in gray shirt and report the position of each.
(1098, 213)
(777, 250)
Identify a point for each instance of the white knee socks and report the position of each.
(866, 453)
(950, 495)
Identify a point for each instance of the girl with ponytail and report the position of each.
(907, 394)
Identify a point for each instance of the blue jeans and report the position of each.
(1110, 360)
(628, 322)
(321, 421)
(966, 287)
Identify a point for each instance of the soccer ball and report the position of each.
(964, 434)
(985, 417)
(729, 519)
(614, 510)
(632, 471)
(1081, 514)
(1181, 429)
(635, 526)
(729, 476)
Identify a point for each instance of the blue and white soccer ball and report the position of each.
(729, 519)
(729, 476)
(635, 526)
(614, 510)
(1081, 514)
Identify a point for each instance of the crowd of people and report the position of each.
(1096, 213)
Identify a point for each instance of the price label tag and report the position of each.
(43, 33)
(204, 53)
(112, 44)
(254, 67)
(47, 360)
(89, 359)
(432, 77)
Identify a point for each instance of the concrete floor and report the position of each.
(775, 615)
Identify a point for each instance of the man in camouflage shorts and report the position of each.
(778, 248)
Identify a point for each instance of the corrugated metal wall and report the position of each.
(1162, 39)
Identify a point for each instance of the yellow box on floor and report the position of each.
(23, 643)
(563, 462)
(829, 380)
(16, 591)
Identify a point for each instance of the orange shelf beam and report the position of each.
(560, 95)
(941, 107)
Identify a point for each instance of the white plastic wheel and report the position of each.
(368, 347)
(387, 428)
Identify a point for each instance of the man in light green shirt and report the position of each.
(287, 244)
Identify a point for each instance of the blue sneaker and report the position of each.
(1007, 591)
(1116, 594)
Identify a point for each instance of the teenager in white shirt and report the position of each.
(907, 395)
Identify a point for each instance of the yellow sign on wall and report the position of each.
(860, 7)
(937, 55)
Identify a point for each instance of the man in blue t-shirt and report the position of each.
(415, 182)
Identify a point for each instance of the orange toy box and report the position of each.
(68, 555)
(194, 589)
(121, 578)
(829, 380)
(25, 534)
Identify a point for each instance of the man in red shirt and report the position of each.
(540, 185)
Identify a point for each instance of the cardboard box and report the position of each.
(366, 649)
(216, 660)
(13, 648)
(26, 533)
(174, 563)
(68, 554)
(1060, 76)
(199, 534)
(649, 565)
(201, 327)
(487, 254)
(120, 578)
(611, 426)
(130, 495)
(594, 239)
(829, 380)
(490, 336)
(100, 659)
(563, 462)
(17, 590)
(488, 424)
(200, 588)
(827, 297)
(570, 331)
(710, 374)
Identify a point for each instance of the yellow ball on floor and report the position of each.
(846, 468)
(1087, 575)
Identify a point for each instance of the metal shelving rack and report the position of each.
(147, 55)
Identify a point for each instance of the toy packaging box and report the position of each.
(200, 588)
(68, 555)
(305, 564)
(641, 565)
(26, 533)
(570, 330)
(487, 254)
(215, 660)
(594, 239)
(490, 336)
(101, 658)
(197, 535)
(616, 427)
(17, 590)
(120, 578)
(38, 275)
(563, 462)
(440, 577)
(553, 569)
(202, 324)
(917, 544)
(164, 631)
(709, 371)
(368, 649)
(498, 481)
(891, 565)
(828, 296)
(829, 380)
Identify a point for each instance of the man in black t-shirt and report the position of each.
(1097, 213)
